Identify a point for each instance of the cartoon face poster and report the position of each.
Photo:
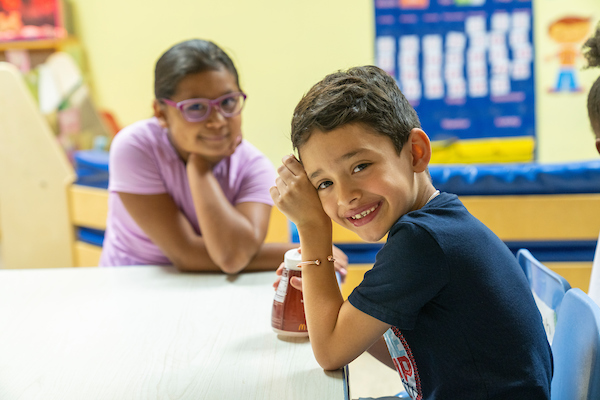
(562, 81)
(568, 33)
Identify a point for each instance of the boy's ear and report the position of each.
(420, 149)
(159, 113)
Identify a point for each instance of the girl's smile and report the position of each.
(214, 138)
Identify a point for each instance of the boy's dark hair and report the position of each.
(185, 58)
(366, 95)
(591, 50)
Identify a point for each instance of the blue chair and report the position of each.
(576, 349)
(548, 289)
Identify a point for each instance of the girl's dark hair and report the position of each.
(366, 95)
(591, 51)
(185, 58)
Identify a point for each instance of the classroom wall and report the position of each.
(281, 48)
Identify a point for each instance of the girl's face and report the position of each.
(215, 137)
(364, 185)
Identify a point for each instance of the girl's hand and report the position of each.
(234, 145)
(200, 163)
(295, 196)
(205, 163)
(340, 265)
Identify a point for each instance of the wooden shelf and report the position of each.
(42, 44)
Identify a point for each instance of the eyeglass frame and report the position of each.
(211, 103)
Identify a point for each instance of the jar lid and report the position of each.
(292, 258)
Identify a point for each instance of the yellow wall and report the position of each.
(281, 48)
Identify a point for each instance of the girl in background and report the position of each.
(185, 188)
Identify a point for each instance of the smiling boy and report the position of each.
(447, 295)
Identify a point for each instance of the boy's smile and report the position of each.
(362, 182)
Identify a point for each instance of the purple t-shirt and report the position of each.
(143, 161)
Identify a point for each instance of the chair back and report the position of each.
(594, 289)
(576, 349)
(547, 286)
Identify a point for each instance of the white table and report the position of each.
(150, 333)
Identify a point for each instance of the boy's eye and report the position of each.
(324, 185)
(360, 167)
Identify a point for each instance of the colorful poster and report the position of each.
(467, 66)
(30, 20)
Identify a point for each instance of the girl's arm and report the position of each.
(232, 234)
(159, 217)
(338, 332)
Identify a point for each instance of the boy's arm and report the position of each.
(338, 331)
(380, 351)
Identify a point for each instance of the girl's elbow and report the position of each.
(183, 266)
(232, 264)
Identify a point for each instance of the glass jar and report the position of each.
(287, 317)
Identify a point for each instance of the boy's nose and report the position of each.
(348, 195)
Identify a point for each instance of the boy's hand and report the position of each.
(340, 265)
(295, 196)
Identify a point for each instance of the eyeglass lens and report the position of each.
(229, 106)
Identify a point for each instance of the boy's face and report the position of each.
(362, 182)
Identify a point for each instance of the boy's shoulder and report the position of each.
(444, 208)
(443, 217)
(444, 222)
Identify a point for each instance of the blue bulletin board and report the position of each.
(466, 66)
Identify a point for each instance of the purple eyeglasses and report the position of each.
(197, 110)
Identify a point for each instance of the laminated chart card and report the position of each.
(31, 20)
(467, 68)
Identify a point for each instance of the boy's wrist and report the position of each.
(322, 225)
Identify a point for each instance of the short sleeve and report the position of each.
(132, 163)
(258, 177)
(409, 271)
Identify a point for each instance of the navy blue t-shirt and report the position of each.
(464, 321)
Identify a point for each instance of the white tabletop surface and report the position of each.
(150, 333)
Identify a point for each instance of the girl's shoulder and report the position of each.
(143, 140)
(142, 129)
(144, 133)
(246, 152)
(249, 161)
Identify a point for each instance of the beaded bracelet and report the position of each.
(316, 262)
